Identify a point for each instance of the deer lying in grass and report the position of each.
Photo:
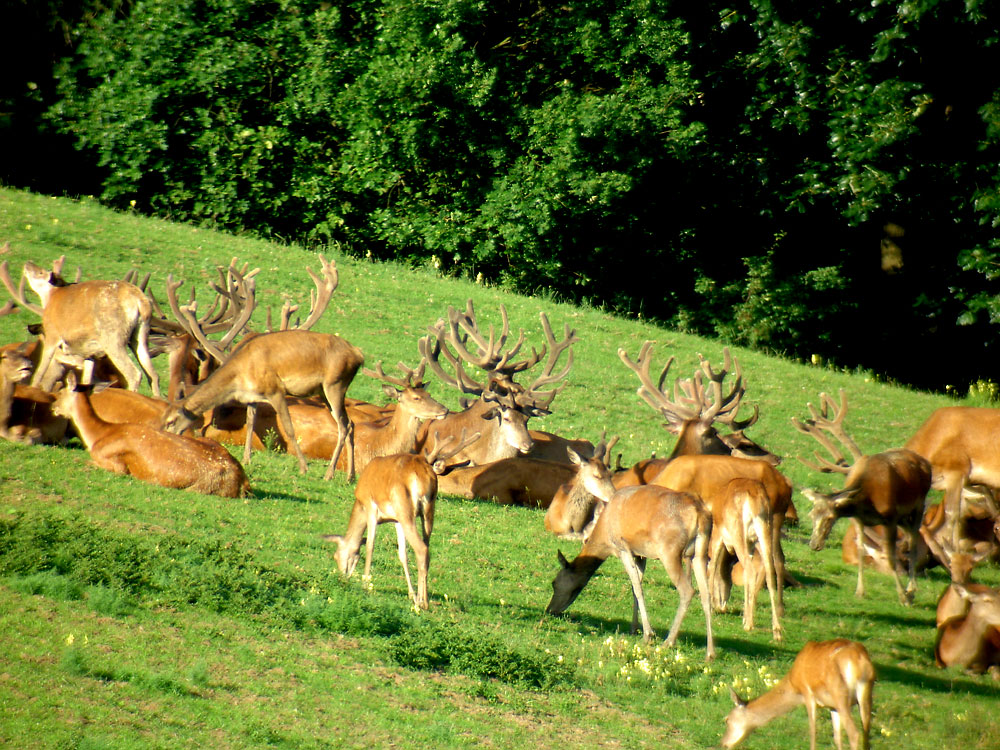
(399, 488)
(971, 640)
(141, 451)
(14, 368)
(887, 489)
(577, 504)
(742, 520)
(835, 674)
(640, 523)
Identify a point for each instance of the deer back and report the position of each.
(961, 439)
(708, 476)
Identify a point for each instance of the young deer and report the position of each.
(887, 488)
(639, 523)
(577, 504)
(152, 455)
(833, 674)
(742, 520)
(399, 488)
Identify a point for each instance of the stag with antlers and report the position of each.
(502, 407)
(694, 408)
(887, 488)
(400, 488)
(267, 367)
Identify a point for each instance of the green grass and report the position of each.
(134, 616)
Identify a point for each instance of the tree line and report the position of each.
(813, 180)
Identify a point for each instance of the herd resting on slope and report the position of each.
(715, 506)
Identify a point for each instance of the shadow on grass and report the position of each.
(950, 681)
(259, 494)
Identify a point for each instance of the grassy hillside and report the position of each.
(134, 616)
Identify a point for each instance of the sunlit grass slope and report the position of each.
(133, 616)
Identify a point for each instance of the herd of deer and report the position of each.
(715, 506)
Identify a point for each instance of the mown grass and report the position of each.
(134, 616)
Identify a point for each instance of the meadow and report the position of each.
(133, 616)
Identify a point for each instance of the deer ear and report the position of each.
(491, 413)
(562, 559)
(736, 698)
(391, 392)
(574, 456)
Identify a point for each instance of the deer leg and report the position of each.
(864, 695)
(638, 601)
(251, 425)
(771, 575)
(914, 532)
(715, 573)
(334, 393)
(281, 408)
(421, 551)
(837, 735)
(140, 344)
(859, 591)
(401, 543)
(120, 359)
(700, 564)
(370, 543)
(44, 362)
(778, 556)
(811, 711)
(905, 597)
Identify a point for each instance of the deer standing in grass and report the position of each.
(887, 489)
(960, 444)
(399, 488)
(85, 320)
(742, 520)
(141, 451)
(265, 368)
(836, 674)
(577, 504)
(640, 523)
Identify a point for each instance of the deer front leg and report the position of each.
(281, 408)
(251, 427)
(905, 597)
(401, 542)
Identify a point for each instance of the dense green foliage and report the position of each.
(802, 179)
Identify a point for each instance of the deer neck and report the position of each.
(6, 400)
(399, 435)
(215, 390)
(777, 701)
(89, 426)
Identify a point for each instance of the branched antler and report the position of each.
(829, 419)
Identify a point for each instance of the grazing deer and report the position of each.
(887, 488)
(960, 444)
(270, 366)
(693, 411)
(577, 504)
(639, 523)
(708, 477)
(85, 320)
(502, 407)
(742, 520)
(971, 640)
(141, 451)
(836, 674)
(401, 489)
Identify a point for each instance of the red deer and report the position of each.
(836, 674)
(141, 451)
(692, 412)
(529, 482)
(401, 489)
(87, 320)
(708, 477)
(14, 368)
(640, 523)
(960, 444)
(742, 520)
(972, 640)
(887, 488)
(270, 366)
(577, 504)
(503, 406)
